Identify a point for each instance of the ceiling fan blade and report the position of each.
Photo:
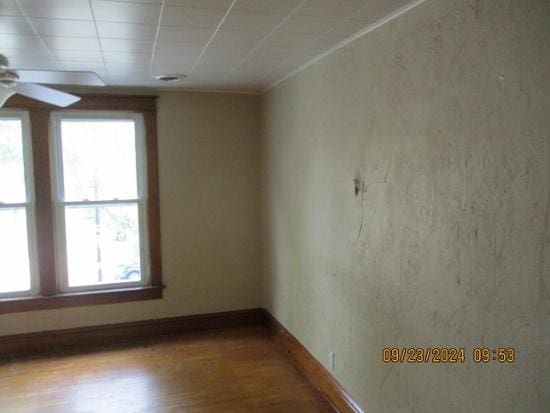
(5, 94)
(60, 77)
(45, 94)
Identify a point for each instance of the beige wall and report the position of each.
(444, 114)
(209, 202)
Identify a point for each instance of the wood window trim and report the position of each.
(50, 297)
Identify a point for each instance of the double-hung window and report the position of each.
(17, 267)
(79, 213)
(100, 200)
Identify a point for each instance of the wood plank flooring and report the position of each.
(229, 371)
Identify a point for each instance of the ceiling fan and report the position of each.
(25, 82)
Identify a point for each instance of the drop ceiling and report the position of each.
(240, 45)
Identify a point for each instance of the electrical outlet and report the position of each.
(331, 360)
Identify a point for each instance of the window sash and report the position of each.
(59, 204)
(96, 116)
(23, 116)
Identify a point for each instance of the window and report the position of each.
(88, 231)
(100, 200)
(17, 268)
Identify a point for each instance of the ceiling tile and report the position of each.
(247, 37)
(239, 87)
(117, 69)
(309, 24)
(285, 38)
(219, 61)
(347, 28)
(187, 48)
(304, 54)
(269, 61)
(134, 58)
(15, 41)
(58, 9)
(14, 25)
(64, 28)
(332, 8)
(79, 55)
(205, 70)
(170, 68)
(116, 11)
(192, 17)
(128, 72)
(140, 1)
(249, 76)
(205, 4)
(326, 41)
(184, 34)
(376, 9)
(126, 30)
(126, 45)
(32, 63)
(147, 82)
(8, 8)
(270, 53)
(38, 54)
(123, 79)
(267, 6)
(209, 82)
(86, 66)
(172, 59)
(71, 43)
(337, 34)
(223, 50)
(254, 68)
(242, 20)
(278, 72)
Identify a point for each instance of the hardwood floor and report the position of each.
(228, 371)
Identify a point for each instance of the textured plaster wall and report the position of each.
(443, 117)
(209, 204)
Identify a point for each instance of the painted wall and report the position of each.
(209, 202)
(443, 117)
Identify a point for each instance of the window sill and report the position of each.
(21, 304)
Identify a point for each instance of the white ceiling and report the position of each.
(244, 45)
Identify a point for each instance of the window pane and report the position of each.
(12, 172)
(102, 244)
(99, 159)
(14, 263)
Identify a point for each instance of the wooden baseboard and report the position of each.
(309, 365)
(21, 344)
(82, 337)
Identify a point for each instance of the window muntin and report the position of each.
(101, 236)
(17, 248)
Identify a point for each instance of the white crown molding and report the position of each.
(347, 41)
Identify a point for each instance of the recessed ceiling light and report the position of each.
(169, 78)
